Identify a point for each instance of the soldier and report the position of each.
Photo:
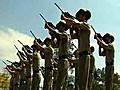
(28, 67)
(108, 52)
(21, 70)
(48, 51)
(36, 66)
(92, 67)
(12, 72)
(63, 53)
(83, 36)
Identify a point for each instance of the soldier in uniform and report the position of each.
(35, 65)
(28, 67)
(63, 53)
(108, 52)
(83, 36)
(48, 51)
(12, 72)
(92, 67)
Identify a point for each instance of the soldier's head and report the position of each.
(61, 26)
(108, 38)
(83, 15)
(47, 41)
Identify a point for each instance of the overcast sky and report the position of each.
(18, 17)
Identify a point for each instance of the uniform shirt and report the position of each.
(110, 53)
(84, 37)
(28, 68)
(63, 44)
(36, 60)
(48, 56)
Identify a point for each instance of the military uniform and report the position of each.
(109, 69)
(28, 75)
(36, 75)
(48, 68)
(63, 61)
(22, 78)
(108, 52)
(92, 67)
(16, 81)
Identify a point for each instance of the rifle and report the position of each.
(9, 61)
(21, 43)
(98, 34)
(65, 13)
(43, 18)
(4, 63)
(21, 53)
(49, 23)
(33, 35)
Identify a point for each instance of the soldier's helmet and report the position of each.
(108, 35)
(63, 23)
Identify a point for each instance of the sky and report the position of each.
(18, 17)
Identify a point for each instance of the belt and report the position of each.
(49, 68)
(63, 56)
(35, 71)
(28, 76)
(84, 53)
(109, 63)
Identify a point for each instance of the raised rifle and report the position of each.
(39, 40)
(4, 63)
(98, 34)
(21, 53)
(49, 23)
(65, 13)
(9, 61)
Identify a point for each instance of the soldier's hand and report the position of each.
(67, 15)
(95, 36)
(46, 25)
(63, 17)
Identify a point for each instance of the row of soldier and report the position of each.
(84, 62)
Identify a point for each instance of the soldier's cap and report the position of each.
(80, 11)
(47, 39)
(85, 12)
(63, 23)
(108, 35)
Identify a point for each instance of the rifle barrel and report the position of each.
(33, 34)
(43, 18)
(20, 42)
(93, 29)
(4, 63)
(9, 61)
(58, 7)
(16, 47)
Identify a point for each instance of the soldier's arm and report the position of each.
(39, 46)
(10, 71)
(52, 31)
(27, 53)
